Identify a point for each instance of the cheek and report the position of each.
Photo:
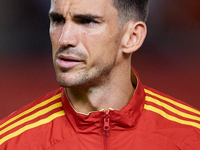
(101, 48)
(55, 34)
(93, 44)
(94, 40)
(103, 43)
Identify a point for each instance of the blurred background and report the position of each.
(168, 61)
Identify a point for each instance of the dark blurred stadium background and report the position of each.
(168, 61)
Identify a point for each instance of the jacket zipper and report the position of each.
(106, 128)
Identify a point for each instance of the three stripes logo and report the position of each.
(37, 115)
(172, 110)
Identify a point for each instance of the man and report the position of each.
(101, 103)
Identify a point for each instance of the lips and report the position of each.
(66, 61)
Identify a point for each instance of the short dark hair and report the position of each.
(132, 9)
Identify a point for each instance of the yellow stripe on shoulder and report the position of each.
(172, 109)
(172, 118)
(31, 117)
(31, 126)
(32, 109)
(173, 102)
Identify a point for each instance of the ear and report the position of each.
(133, 37)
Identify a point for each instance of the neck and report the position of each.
(115, 94)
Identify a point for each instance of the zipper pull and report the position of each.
(106, 121)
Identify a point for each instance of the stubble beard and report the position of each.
(86, 79)
(83, 78)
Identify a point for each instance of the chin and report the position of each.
(83, 79)
(71, 82)
(63, 82)
(82, 83)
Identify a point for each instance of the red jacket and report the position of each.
(150, 121)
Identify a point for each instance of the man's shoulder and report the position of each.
(168, 102)
(171, 109)
(41, 111)
(172, 118)
(41, 101)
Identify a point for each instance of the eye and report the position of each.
(87, 21)
(56, 18)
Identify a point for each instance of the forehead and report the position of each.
(83, 6)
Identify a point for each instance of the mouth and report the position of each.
(70, 60)
(67, 61)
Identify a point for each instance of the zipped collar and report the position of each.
(119, 120)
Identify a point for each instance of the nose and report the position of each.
(69, 35)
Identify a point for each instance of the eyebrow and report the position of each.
(55, 15)
(87, 17)
(76, 16)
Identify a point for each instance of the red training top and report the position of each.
(150, 121)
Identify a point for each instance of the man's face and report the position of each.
(85, 40)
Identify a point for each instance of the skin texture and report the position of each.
(91, 54)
